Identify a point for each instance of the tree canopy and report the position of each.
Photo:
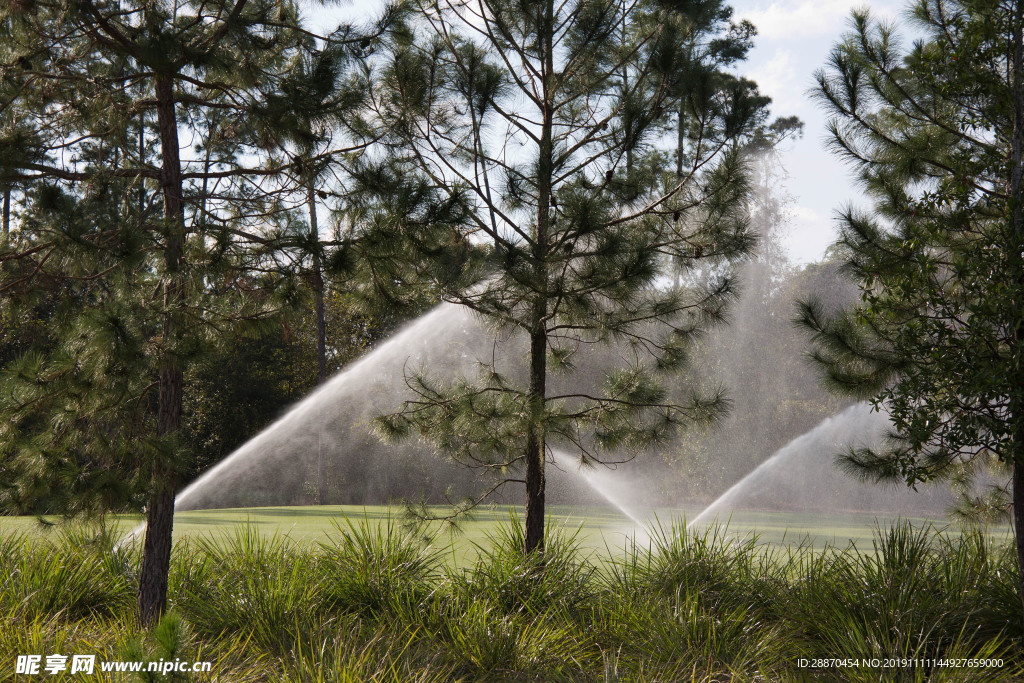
(154, 250)
(532, 182)
(934, 130)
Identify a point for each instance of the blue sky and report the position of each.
(794, 39)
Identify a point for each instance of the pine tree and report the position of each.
(530, 182)
(313, 121)
(935, 131)
(167, 249)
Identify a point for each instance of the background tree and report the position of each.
(302, 120)
(239, 389)
(533, 130)
(758, 350)
(711, 43)
(313, 120)
(935, 132)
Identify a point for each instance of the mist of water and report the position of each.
(326, 437)
(311, 427)
(802, 476)
(327, 433)
(602, 480)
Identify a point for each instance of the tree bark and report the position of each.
(535, 448)
(318, 291)
(6, 237)
(1018, 516)
(321, 332)
(156, 550)
(1017, 267)
(680, 138)
(156, 555)
(625, 90)
(535, 438)
(142, 164)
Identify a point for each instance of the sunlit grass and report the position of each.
(596, 529)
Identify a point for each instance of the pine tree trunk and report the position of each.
(1017, 266)
(318, 291)
(6, 237)
(535, 447)
(321, 321)
(321, 333)
(677, 280)
(142, 163)
(156, 554)
(1018, 515)
(680, 139)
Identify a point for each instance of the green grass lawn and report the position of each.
(599, 530)
(596, 528)
(838, 528)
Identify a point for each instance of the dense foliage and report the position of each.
(935, 132)
(154, 253)
(374, 603)
(933, 340)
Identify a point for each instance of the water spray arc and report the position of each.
(350, 383)
(436, 327)
(446, 336)
(331, 427)
(797, 447)
(600, 480)
(802, 475)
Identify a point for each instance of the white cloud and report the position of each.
(788, 19)
(779, 78)
(810, 233)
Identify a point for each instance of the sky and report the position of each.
(794, 39)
